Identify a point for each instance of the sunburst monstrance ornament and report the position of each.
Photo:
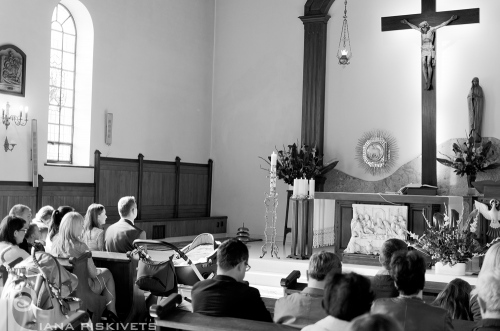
(376, 152)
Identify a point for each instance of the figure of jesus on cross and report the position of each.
(428, 52)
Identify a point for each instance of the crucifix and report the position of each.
(427, 22)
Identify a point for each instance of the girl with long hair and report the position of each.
(93, 235)
(455, 299)
(55, 221)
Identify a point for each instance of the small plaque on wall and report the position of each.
(12, 70)
(108, 135)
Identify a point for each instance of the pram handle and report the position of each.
(139, 242)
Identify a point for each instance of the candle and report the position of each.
(21, 112)
(303, 187)
(295, 187)
(26, 113)
(274, 158)
(311, 188)
(7, 111)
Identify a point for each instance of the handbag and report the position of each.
(156, 277)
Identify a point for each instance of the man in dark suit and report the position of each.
(226, 294)
(408, 271)
(488, 297)
(24, 212)
(120, 236)
(383, 284)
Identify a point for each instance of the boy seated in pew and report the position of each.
(226, 294)
(33, 235)
(304, 308)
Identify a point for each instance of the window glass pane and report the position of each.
(54, 96)
(68, 61)
(65, 153)
(66, 134)
(52, 152)
(54, 114)
(56, 40)
(68, 79)
(69, 26)
(67, 116)
(69, 43)
(55, 58)
(53, 132)
(56, 26)
(67, 98)
(55, 77)
(54, 15)
(62, 14)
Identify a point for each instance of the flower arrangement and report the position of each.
(450, 244)
(304, 162)
(469, 159)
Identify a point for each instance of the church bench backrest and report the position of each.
(130, 302)
(168, 316)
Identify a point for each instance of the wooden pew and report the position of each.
(94, 303)
(168, 316)
(130, 302)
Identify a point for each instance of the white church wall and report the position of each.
(153, 65)
(258, 89)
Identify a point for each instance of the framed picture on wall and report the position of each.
(12, 70)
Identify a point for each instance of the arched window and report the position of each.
(61, 87)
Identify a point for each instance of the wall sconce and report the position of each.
(18, 120)
(344, 52)
(7, 146)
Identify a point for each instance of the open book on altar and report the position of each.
(418, 189)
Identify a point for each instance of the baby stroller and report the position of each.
(186, 266)
(36, 295)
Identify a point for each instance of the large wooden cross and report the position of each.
(434, 18)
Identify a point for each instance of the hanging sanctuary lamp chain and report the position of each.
(344, 52)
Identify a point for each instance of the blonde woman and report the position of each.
(491, 262)
(68, 244)
(93, 235)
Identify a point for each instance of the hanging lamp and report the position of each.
(344, 52)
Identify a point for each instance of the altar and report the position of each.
(333, 213)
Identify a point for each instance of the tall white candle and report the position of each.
(7, 109)
(26, 112)
(311, 188)
(274, 158)
(295, 187)
(303, 187)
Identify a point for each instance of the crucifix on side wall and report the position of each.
(427, 23)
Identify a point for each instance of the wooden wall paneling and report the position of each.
(77, 195)
(176, 227)
(139, 186)
(193, 195)
(118, 178)
(177, 185)
(97, 173)
(39, 193)
(158, 190)
(209, 190)
(13, 193)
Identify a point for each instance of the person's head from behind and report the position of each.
(347, 295)
(389, 247)
(455, 299)
(320, 264)
(21, 211)
(374, 322)
(95, 217)
(408, 271)
(232, 259)
(44, 215)
(127, 208)
(13, 229)
(491, 259)
(57, 217)
(33, 233)
(488, 293)
(70, 230)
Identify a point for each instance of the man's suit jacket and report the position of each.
(383, 285)
(413, 314)
(121, 235)
(300, 309)
(224, 296)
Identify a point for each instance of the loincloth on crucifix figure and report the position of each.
(428, 52)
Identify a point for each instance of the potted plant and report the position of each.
(304, 162)
(470, 159)
(450, 247)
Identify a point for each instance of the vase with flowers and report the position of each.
(470, 158)
(302, 162)
(450, 245)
